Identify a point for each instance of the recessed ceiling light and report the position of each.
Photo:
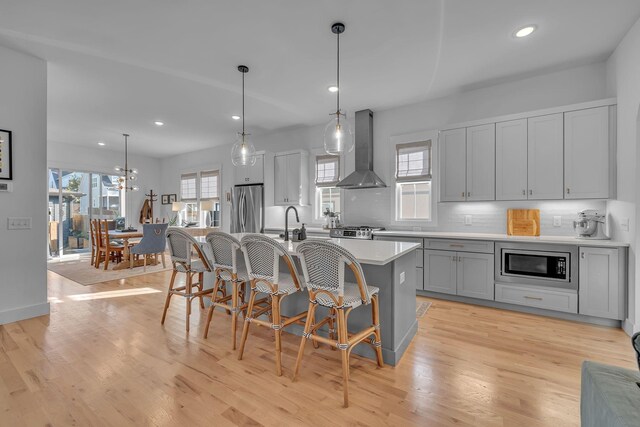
(235, 117)
(158, 123)
(333, 89)
(525, 31)
(101, 143)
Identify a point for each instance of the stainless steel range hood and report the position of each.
(364, 176)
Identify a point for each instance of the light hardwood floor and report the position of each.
(102, 358)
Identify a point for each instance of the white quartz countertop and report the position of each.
(563, 240)
(376, 252)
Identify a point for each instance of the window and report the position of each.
(210, 198)
(413, 181)
(327, 176)
(200, 193)
(189, 196)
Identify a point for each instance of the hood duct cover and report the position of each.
(364, 176)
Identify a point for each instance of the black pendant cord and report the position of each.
(243, 107)
(338, 77)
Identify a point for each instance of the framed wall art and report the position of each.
(165, 199)
(173, 198)
(6, 154)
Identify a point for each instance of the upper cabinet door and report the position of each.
(511, 160)
(280, 180)
(545, 156)
(452, 147)
(255, 173)
(481, 162)
(586, 154)
(293, 184)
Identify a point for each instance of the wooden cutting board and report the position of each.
(523, 222)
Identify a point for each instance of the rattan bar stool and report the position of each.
(186, 257)
(228, 269)
(323, 266)
(262, 256)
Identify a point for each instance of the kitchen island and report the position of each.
(388, 265)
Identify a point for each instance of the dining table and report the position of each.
(125, 236)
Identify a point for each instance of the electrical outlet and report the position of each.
(402, 277)
(557, 221)
(19, 223)
(468, 220)
(624, 224)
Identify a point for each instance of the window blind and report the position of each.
(327, 170)
(188, 191)
(209, 185)
(413, 161)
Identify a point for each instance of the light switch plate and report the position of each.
(402, 277)
(557, 221)
(19, 223)
(468, 220)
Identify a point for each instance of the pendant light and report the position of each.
(129, 174)
(243, 152)
(338, 138)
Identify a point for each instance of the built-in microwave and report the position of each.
(537, 264)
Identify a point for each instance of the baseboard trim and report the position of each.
(22, 313)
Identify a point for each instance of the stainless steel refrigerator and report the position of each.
(247, 209)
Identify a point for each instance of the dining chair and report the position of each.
(323, 266)
(154, 242)
(107, 248)
(229, 267)
(262, 256)
(187, 258)
(94, 242)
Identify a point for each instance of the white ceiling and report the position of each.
(116, 66)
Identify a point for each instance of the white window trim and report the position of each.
(319, 222)
(198, 172)
(433, 135)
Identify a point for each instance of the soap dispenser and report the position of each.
(303, 233)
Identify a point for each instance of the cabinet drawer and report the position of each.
(566, 301)
(480, 246)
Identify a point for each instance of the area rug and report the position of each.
(79, 269)
(422, 309)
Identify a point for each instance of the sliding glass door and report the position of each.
(75, 198)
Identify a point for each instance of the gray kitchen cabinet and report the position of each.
(511, 164)
(545, 157)
(244, 175)
(481, 162)
(291, 181)
(440, 271)
(475, 275)
(586, 153)
(453, 155)
(601, 274)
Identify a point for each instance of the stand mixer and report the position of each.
(590, 225)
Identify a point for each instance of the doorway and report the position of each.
(75, 198)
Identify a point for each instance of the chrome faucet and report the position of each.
(286, 221)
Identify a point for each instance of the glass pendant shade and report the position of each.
(243, 152)
(338, 137)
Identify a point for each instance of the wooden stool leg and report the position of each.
(343, 341)
(234, 313)
(307, 327)
(164, 264)
(211, 307)
(188, 291)
(169, 294)
(245, 329)
(332, 326)
(376, 322)
(201, 282)
(275, 307)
